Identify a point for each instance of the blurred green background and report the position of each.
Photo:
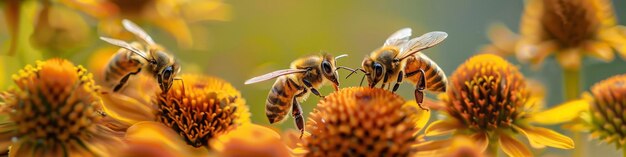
(263, 36)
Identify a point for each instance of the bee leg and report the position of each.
(310, 87)
(420, 86)
(397, 85)
(296, 112)
(124, 79)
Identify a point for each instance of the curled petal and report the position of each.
(150, 134)
(441, 127)
(562, 113)
(547, 137)
(430, 146)
(513, 147)
(482, 141)
(126, 109)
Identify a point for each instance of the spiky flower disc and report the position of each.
(204, 108)
(487, 93)
(607, 109)
(54, 112)
(362, 122)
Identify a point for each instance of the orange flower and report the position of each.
(488, 100)
(569, 29)
(55, 111)
(364, 122)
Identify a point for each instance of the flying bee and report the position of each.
(293, 86)
(401, 58)
(135, 56)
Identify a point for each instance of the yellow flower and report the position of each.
(59, 29)
(202, 109)
(173, 16)
(488, 100)
(364, 122)
(459, 146)
(569, 29)
(55, 111)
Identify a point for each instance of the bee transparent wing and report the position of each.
(399, 37)
(125, 45)
(423, 42)
(274, 74)
(137, 31)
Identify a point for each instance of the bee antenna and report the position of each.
(355, 70)
(362, 78)
(182, 83)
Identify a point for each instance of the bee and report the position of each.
(134, 57)
(401, 58)
(292, 86)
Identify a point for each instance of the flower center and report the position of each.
(55, 102)
(571, 22)
(204, 109)
(608, 108)
(486, 93)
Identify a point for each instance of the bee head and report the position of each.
(374, 71)
(166, 76)
(329, 70)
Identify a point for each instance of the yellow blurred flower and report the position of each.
(59, 29)
(55, 111)
(202, 109)
(489, 101)
(459, 146)
(250, 140)
(569, 29)
(364, 122)
(173, 16)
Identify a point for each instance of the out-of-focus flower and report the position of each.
(172, 16)
(488, 101)
(459, 146)
(55, 111)
(202, 109)
(569, 29)
(364, 122)
(250, 140)
(59, 29)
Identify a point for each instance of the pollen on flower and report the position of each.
(362, 122)
(202, 109)
(54, 109)
(486, 93)
(609, 101)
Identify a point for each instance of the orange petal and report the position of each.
(126, 109)
(513, 147)
(250, 140)
(433, 145)
(535, 53)
(599, 49)
(154, 134)
(547, 137)
(482, 141)
(502, 38)
(178, 28)
(562, 113)
(441, 127)
(206, 10)
(569, 59)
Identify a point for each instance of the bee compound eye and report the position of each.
(378, 69)
(326, 67)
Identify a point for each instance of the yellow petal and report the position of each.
(502, 38)
(178, 28)
(512, 147)
(441, 127)
(206, 10)
(569, 59)
(547, 137)
(422, 115)
(535, 53)
(599, 49)
(126, 109)
(565, 112)
(433, 145)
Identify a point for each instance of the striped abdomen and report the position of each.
(436, 80)
(280, 98)
(119, 65)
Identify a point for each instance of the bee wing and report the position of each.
(423, 42)
(274, 74)
(138, 31)
(125, 45)
(399, 37)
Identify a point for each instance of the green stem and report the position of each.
(493, 147)
(571, 89)
(624, 150)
